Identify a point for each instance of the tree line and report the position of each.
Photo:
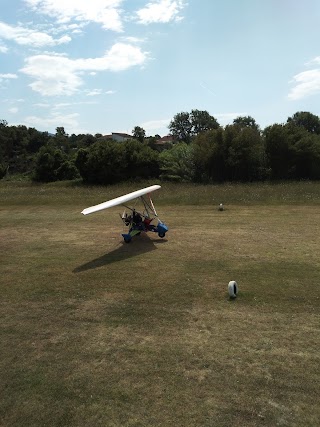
(201, 151)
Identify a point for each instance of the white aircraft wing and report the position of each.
(120, 200)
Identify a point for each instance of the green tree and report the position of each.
(109, 162)
(246, 122)
(210, 156)
(139, 133)
(52, 164)
(82, 164)
(177, 164)
(141, 160)
(14, 141)
(104, 162)
(81, 140)
(201, 121)
(278, 152)
(3, 170)
(307, 120)
(60, 131)
(67, 171)
(36, 140)
(48, 161)
(306, 155)
(246, 154)
(292, 151)
(185, 126)
(304, 148)
(61, 139)
(181, 127)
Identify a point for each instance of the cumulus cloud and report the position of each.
(13, 110)
(306, 84)
(104, 12)
(27, 37)
(53, 75)
(120, 57)
(59, 75)
(160, 11)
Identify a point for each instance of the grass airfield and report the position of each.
(95, 332)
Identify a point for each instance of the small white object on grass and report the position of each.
(221, 207)
(233, 289)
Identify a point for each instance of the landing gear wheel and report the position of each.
(161, 234)
(127, 239)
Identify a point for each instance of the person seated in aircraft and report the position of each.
(147, 223)
(136, 218)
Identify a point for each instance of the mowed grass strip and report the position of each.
(98, 332)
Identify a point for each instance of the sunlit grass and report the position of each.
(95, 332)
(177, 194)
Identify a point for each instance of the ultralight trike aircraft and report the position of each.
(135, 220)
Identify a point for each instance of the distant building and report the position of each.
(168, 139)
(119, 137)
(161, 144)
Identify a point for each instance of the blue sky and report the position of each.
(102, 66)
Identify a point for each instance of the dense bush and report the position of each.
(51, 164)
(108, 162)
(177, 164)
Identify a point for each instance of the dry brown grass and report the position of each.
(95, 332)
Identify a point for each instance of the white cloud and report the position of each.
(3, 49)
(104, 12)
(73, 28)
(57, 75)
(160, 11)
(63, 105)
(313, 61)
(42, 105)
(94, 92)
(8, 76)
(4, 78)
(131, 39)
(53, 75)
(68, 121)
(120, 57)
(110, 92)
(305, 84)
(227, 118)
(26, 37)
(13, 110)
(156, 126)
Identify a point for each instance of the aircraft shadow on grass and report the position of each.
(139, 245)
